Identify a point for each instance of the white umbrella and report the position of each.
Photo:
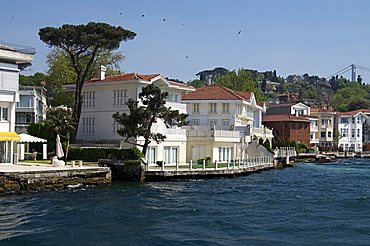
(58, 148)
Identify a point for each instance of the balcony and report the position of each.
(207, 134)
(262, 132)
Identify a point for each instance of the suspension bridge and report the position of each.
(353, 70)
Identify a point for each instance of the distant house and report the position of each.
(349, 125)
(223, 122)
(12, 59)
(107, 95)
(293, 108)
(289, 127)
(287, 97)
(31, 107)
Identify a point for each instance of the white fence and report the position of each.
(238, 164)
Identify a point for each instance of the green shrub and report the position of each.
(94, 154)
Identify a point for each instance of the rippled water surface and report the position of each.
(305, 205)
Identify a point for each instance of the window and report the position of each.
(170, 155)
(176, 98)
(344, 132)
(88, 99)
(329, 134)
(322, 121)
(4, 114)
(195, 108)
(195, 122)
(150, 155)
(353, 120)
(22, 117)
(358, 120)
(323, 134)
(198, 152)
(213, 108)
(225, 108)
(115, 126)
(212, 122)
(313, 123)
(353, 133)
(344, 120)
(225, 122)
(25, 101)
(119, 98)
(358, 133)
(329, 122)
(88, 125)
(224, 153)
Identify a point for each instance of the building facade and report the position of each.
(222, 123)
(31, 107)
(325, 127)
(349, 126)
(13, 58)
(289, 127)
(107, 95)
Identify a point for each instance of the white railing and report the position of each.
(230, 165)
(213, 133)
(285, 151)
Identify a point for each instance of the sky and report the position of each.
(318, 37)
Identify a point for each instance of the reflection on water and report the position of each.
(307, 204)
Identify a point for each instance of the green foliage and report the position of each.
(41, 130)
(267, 145)
(82, 44)
(141, 118)
(196, 83)
(60, 120)
(32, 80)
(277, 143)
(94, 154)
(241, 81)
(260, 141)
(351, 96)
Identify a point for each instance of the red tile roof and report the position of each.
(284, 117)
(354, 112)
(216, 92)
(125, 77)
(135, 76)
(318, 110)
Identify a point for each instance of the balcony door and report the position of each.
(170, 155)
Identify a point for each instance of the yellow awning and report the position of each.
(9, 136)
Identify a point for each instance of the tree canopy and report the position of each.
(83, 44)
(141, 118)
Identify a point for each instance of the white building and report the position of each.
(31, 107)
(12, 59)
(107, 95)
(223, 122)
(349, 126)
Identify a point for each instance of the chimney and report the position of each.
(102, 72)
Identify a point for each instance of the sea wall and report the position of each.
(52, 179)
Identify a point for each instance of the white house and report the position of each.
(31, 107)
(12, 59)
(223, 122)
(107, 95)
(349, 126)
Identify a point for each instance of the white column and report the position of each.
(44, 151)
(21, 151)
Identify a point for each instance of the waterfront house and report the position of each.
(13, 58)
(324, 127)
(366, 130)
(108, 94)
(350, 130)
(31, 107)
(289, 127)
(222, 122)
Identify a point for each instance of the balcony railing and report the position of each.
(213, 133)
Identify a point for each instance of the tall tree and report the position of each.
(141, 118)
(83, 43)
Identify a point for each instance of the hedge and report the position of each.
(94, 154)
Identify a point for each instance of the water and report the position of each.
(305, 205)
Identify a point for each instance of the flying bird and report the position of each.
(164, 19)
(187, 56)
(239, 32)
(120, 13)
(142, 15)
